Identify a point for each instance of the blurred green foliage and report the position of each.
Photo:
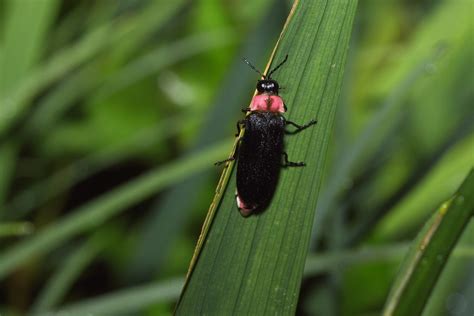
(123, 106)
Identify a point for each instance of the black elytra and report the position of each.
(259, 159)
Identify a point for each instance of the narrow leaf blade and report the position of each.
(430, 252)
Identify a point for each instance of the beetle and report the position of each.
(260, 152)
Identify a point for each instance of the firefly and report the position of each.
(260, 152)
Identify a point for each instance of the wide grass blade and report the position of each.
(430, 251)
(254, 265)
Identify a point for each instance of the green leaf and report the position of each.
(255, 265)
(430, 251)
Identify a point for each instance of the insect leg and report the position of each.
(245, 110)
(224, 161)
(234, 156)
(287, 163)
(239, 123)
(299, 128)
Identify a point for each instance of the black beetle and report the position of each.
(260, 153)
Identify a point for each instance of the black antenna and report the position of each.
(253, 67)
(275, 69)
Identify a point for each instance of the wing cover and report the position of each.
(260, 158)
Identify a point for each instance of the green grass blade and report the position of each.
(125, 301)
(430, 251)
(352, 158)
(411, 91)
(254, 265)
(7, 167)
(162, 57)
(37, 194)
(68, 272)
(25, 27)
(106, 36)
(106, 206)
(11, 229)
(324, 262)
(440, 182)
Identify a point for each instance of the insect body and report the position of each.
(260, 153)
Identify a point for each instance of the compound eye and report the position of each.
(275, 86)
(272, 86)
(260, 86)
